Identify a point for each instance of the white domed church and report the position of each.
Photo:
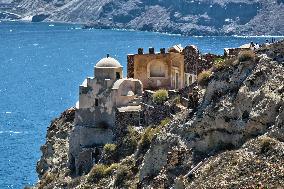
(102, 100)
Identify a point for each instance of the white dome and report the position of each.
(108, 63)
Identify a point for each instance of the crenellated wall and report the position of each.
(157, 70)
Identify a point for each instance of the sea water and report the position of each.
(41, 67)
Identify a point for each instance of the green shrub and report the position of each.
(220, 65)
(100, 171)
(129, 142)
(174, 101)
(204, 77)
(121, 175)
(160, 96)
(97, 173)
(246, 56)
(147, 138)
(266, 144)
(164, 122)
(111, 168)
(109, 149)
(216, 60)
(110, 152)
(133, 137)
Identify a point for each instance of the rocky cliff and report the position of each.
(196, 17)
(235, 139)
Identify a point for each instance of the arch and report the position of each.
(157, 69)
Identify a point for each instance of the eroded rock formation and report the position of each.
(233, 140)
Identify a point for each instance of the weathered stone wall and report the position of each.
(153, 113)
(187, 90)
(102, 73)
(130, 66)
(84, 161)
(125, 119)
(232, 52)
(195, 62)
(206, 62)
(191, 58)
(139, 67)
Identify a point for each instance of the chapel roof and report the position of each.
(108, 62)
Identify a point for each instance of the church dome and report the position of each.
(108, 63)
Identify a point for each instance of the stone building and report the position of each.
(233, 52)
(171, 69)
(109, 103)
(103, 101)
(157, 70)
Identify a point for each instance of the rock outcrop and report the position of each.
(234, 139)
(198, 17)
(52, 168)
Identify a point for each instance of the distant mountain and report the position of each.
(189, 17)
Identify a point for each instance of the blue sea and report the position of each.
(41, 67)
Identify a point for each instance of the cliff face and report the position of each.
(234, 140)
(199, 17)
(53, 165)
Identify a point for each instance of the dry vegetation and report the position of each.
(204, 77)
(258, 164)
(160, 96)
(222, 64)
(246, 56)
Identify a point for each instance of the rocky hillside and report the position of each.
(196, 17)
(235, 139)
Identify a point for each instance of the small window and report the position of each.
(117, 75)
(96, 102)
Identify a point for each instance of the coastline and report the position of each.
(146, 31)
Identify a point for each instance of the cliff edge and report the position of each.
(235, 139)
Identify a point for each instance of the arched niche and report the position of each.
(157, 69)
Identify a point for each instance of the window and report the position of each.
(96, 102)
(117, 75)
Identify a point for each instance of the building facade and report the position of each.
(172, 69)
(101, 98)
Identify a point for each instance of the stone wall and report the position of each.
(191, 58)
(206, 62)
(147, 97)
(84, 162)
(157, 70)
(153, 113)
(195, 62)
(232, 52)
(125, 119)
(187, 90)
(130, 66)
